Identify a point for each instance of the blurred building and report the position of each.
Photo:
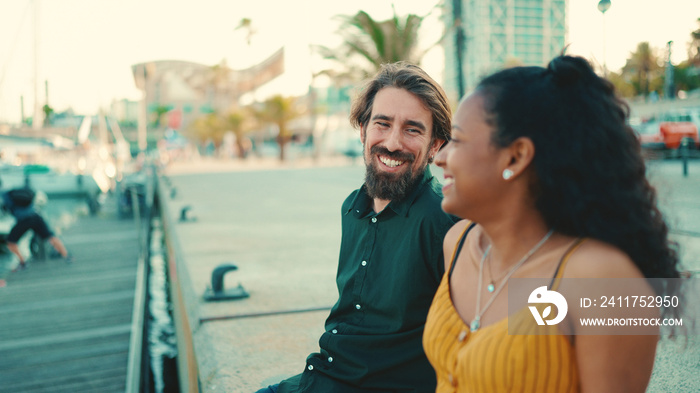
(501, 33)
(178, 92)
(331, 131)
(126, 112)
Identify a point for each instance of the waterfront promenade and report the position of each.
(67, 327)
(281, 226)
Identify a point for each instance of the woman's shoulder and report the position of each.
(451, 239)
(455, 233)
(597, 259)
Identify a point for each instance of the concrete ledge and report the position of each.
(281, 227)
(266, 350)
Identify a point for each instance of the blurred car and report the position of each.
(667, 132)
(648, 133)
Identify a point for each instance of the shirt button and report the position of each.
(330, 359)
(374, 219)
(357, 306)
(334, 331)
(364, 263)
(310, 367)
(452, 380)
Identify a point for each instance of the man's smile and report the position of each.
(391, 163)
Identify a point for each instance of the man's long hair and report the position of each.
(413, 79)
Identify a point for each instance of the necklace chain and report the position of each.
(492, 285)
(476, 324)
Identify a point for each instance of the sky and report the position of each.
(86, 47)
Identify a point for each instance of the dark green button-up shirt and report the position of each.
(390, 266)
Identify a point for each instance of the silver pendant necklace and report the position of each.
(492, 284)
(476, 324)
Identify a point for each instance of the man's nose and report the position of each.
(394, 141)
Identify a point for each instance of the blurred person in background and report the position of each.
(551, 184)
(20, 204)
(391, 249)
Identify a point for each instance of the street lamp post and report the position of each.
(459, 45)
(669, 86)
(603, 6)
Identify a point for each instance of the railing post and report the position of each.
(684, 155)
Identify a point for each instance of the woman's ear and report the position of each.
(519, 155)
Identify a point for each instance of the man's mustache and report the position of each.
(394, 155)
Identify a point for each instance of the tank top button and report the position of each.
(462, 335)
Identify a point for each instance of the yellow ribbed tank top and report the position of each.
(491, 360)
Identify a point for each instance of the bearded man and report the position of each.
(391, 258)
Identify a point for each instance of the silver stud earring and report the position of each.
(507, 174)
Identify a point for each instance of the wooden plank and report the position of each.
(67, 384)
(67, 327)
(74, 301)
(22, 359)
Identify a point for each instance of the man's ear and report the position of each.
(362, 133)
(435, 146)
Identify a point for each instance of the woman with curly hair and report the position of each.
(551, 183)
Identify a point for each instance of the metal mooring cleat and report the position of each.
(217, 291)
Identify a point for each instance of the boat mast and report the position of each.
(38, 114)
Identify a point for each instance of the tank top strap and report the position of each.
(559, 273)
(458, 247)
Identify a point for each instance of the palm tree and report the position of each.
(246, 24)
(209, 128)
(694, 47)
(687, 73)
(235, 121)
(622, 86)
(280, 110)
(369, 43)
(159, 111)
(48, 111)
(219, 79)
(642, 67)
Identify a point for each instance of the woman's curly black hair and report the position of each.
(590, 173)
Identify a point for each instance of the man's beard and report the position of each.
(391, 186)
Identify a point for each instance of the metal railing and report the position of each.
(136, 367)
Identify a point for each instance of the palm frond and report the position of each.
(375, 42)
(370, 28)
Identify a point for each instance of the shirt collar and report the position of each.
(361, 204)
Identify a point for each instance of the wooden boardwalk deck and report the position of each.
(67, 327)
